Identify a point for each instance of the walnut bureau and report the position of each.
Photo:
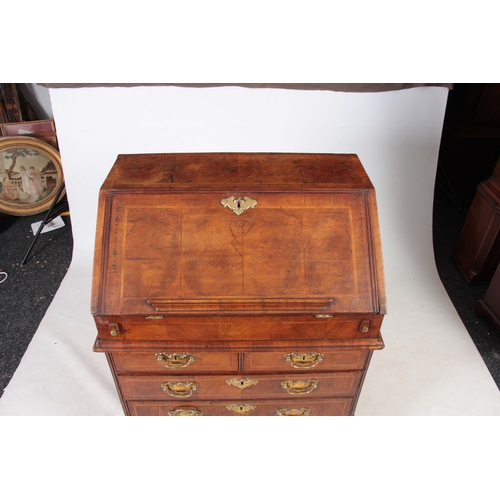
(238, 283)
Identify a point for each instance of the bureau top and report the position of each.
(237, 233)
(195, 171)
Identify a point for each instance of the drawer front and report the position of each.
(176, 362)
(331, 407)
(304, 360)
(241, 387)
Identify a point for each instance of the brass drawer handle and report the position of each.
(179, 389)
(185, 412)
(175, 360)
(285, 412)
(241, 408)
(241, 383)
(299, 386)
(304, 361)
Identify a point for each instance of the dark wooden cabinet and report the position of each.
(477, 253)
(238, 284)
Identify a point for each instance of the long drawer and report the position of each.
(240, 387)
(293, 407)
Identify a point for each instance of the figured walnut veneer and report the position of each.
(238, 259)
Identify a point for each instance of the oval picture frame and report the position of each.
(30, 175)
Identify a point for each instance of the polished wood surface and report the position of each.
(132, 362)
(234, 262)
(331, 360)
(241, 328)
(313, 233)
(215, 387)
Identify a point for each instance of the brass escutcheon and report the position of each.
(299, 386)
(175, 360)
(241, 408)
(304, 361)
(179, 389)
(185, 412)
(238, 206)
(285, 412)
(241, 383)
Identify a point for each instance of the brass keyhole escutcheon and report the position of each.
(241, 383)
(241, 409)
(240, 205)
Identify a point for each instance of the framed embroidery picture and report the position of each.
(30, 175)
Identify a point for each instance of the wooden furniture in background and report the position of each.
(470, 143)
(490, 305)
(477, 253)
(11, 103)
(238, 284)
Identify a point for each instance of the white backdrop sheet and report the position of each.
(429, 366)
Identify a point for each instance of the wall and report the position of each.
(39, 98)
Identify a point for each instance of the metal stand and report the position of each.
(57, 208)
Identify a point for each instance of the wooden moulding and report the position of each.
(371, 344)
(265, 306)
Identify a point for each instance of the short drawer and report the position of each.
(300, 360)
(241, 387)
(328, 407)
(180, 361)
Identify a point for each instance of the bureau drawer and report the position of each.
(302, 360)
(326, 407)
(241, 387)
(180, 361)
